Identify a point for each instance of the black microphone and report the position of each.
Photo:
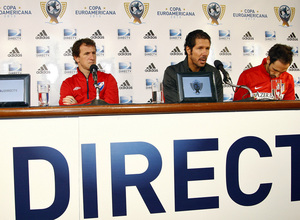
(93, 70)
(219, 65)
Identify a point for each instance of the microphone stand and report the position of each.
(229, 82)
(97, 100)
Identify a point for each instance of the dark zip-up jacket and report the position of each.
(170, 83)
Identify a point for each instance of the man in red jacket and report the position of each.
(258, 79)
(79, 88)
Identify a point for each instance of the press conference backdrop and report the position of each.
(137, 40)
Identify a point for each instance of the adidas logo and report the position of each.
(42, 35)
(124, 52)
(43, 70)
(100, 68)
(97, 35)
(225, 52)
(176, 52)
(150, 35)
(292, 37)
(125, 85)
(15, 53)
(151, 68)
(294, 67)
(247, 36)
(248, 66)
(68, 52)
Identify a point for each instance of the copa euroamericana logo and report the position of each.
(136, 10)
(9, 11)
(196, 86)
(250, 14)
(95, 11)
(53, 9)
(285, 14)
(214, 11)
(175, 12)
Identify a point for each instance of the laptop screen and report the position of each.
(14, 90)
(196, 87)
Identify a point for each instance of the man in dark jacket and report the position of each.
(197, 46)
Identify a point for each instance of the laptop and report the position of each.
(196, 87)
(14, 90)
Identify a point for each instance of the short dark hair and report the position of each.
(190, 40)
(281, 52)
(78, 43)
